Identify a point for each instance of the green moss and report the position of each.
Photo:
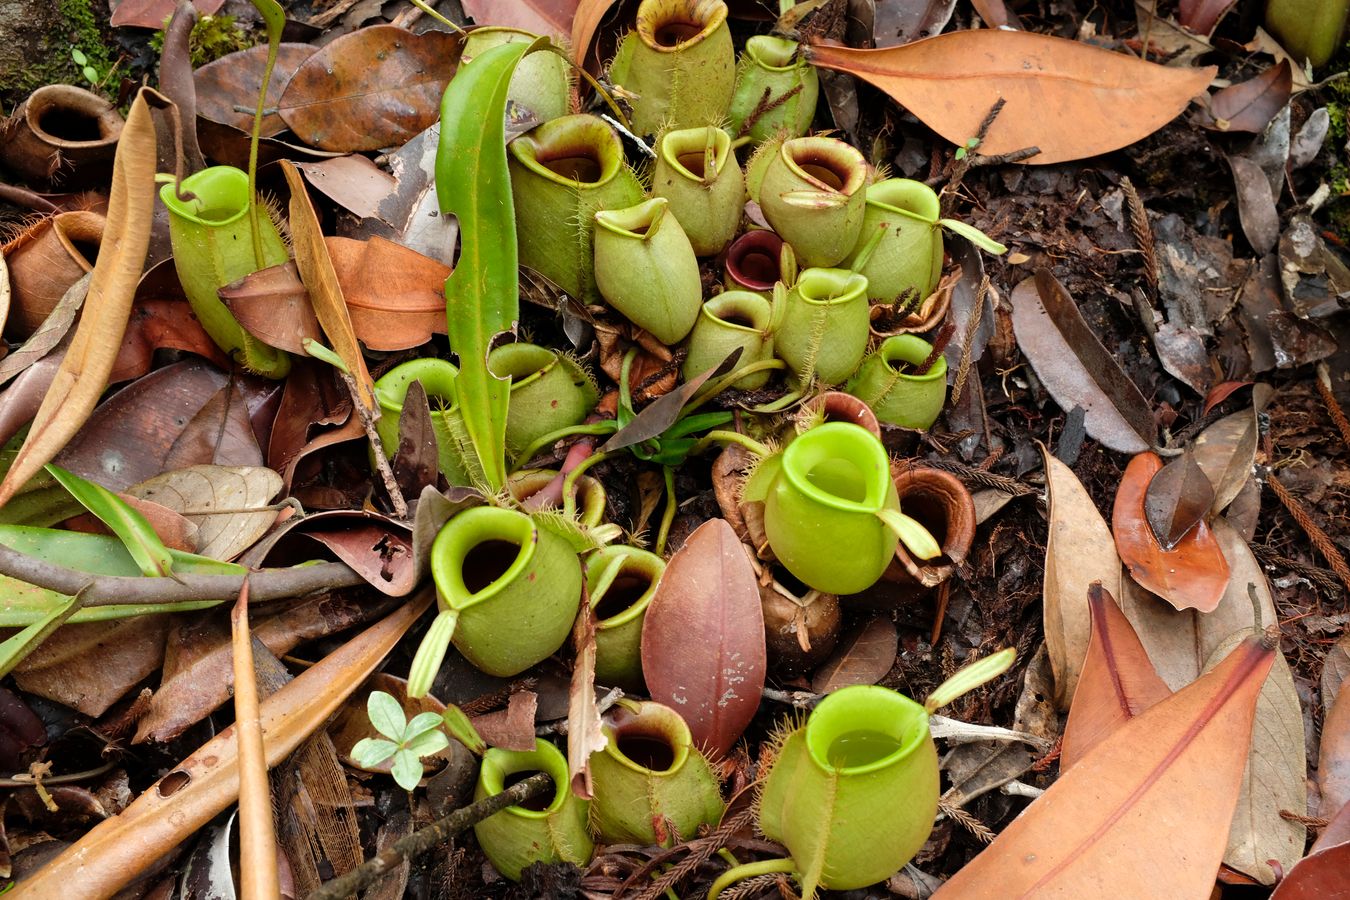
(212, 37)
(84, 31)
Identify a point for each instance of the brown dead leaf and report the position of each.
(1069, 99)
(1333, 758)
(1275, 778)
(511, 728)
(1335, 670)
(395, 296)
(1225, 452)
(1325, 872)
(1117, 684)
(1178, 498)
(89, 667)
(371, 88)
(863, 656)
(1147, 813)
(272, 305)
(1074, 366)
(352, 182)
(233, 81)
(152, 13)
(1250, 105)
(584, 24)
(1079, 550)
(703, 650)
(551, 17)
(1193, 574)
(325, 291)
(585, 732)
(230, 505)
(84, 372)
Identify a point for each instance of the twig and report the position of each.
(972, 326)
(377, 448)
(257, 830)
(1333, 407)
(425, 839)
(977, 160)
(1319, 538)
(109, 590)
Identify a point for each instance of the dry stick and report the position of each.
(1312, 529)
(1333, 407)
(108, 590)
(972, 326)
(381, 461)
(424, 839)
(257, 832)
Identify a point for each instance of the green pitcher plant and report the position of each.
(730, 320)
(696, 170)
(825, 325)
(438, 380)
(621, 582)
(679, 62)
(508, 592)
(553, 830)
(542, 82)
(590, 493)
(646, 269)
(831, 513)
(776, 90)
(852, 793)
(651, 785)
(813, 194)
(897, 396)
(549, 391)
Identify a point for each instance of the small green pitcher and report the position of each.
(549, 391)
(730, 320)
(824, 330)
(621, 582)
(897, 397)
(438, 380)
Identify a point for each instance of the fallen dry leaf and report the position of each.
(1250, 105)
(1079, 550)
(703, 650)
(1074, 366)
(395, 296)
(230, 505)
(1333, 758)
(551, 17)
(352, 182)
(511, 728)
(1146, 813)
(863, 656)
(152, 13)
(1193, 574)
(1118, 681)
(1324, 874)
(229, 86)
(584, 23)
(89, 667)
(273, 305)
(1069, 99)
(1178, 498)
(585, 732)
(1225, 452)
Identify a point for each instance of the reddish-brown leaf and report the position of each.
(88, 667)
(1324, 874)
(1177, 499)
(1069, 99)
(1251, 104)
(1333, 758)
(227, 89)
(1147, 813)
(703, 637)
(152, 13)
(511, 728)
(1117, 684)
(584, 23)
(1221, 392)
(372, 88)
(1193, 574)
(1201, 16)
(863, 656)
(550, 17)
(395, 296)
(272, 305)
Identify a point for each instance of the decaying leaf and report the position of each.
(703, 650)
(227, 88)
(1177, 499)
(1074, 366)
(89, 667)
(1117, 684)
(1225, 452)
(1146, 813)
(1193, 574)
(272, 305)
(1325, 872)
(229, 504)
(584, 23)
(1079, 550)
(511, 728)
(551, 17)
(394, 295)
(1333, 758)
(352, 182)
(1069, 99)
(585, 732)
(1250, 105)
(863, 656)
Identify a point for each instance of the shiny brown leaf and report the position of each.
(1324, 873)
(395, 296)
(232, 82)
(272, 305)
(1250, 105)
(1177, 499)
(863, 656)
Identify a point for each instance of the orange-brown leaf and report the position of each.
(1193, 574)
(1147, 813)
(395, 296)
(584, 23)
(1117, 684)
(1067, 98)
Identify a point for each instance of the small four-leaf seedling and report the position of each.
(408, 741)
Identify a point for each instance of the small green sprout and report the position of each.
(408, 741)
(89, 72)
(970, 146)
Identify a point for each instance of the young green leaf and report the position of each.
(13, 650)
(427, 743)
(970, 677)
(140, 539)
(407, 769)
(78, 55)
(482, 295)
(386, 715)
(462, 730)
(420, 725)
(371, 752)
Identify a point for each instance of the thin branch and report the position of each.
(111, 590)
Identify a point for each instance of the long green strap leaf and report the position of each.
(482, 295)
(15, 649)
(135, 532)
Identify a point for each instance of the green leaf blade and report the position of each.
(386, 715)
(135, 532)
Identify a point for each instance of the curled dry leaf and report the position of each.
(1274, 779)
(1079, 551)
(1074, 366)
(230, 505)
(863, 656)
(272, 305)
(1178, 498)
(121, 848)
(585, 732)
(394, 295)
(703, 649)
(511, 728)
(1225, 452)
(584, 23)
(1193, 574)
(1117, 684)
(1115, 818)
(371, 88)
(1067, 98)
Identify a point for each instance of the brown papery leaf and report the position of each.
(1146, 813)
(152, 13)
(1067, 98)
(511, 728)
(1074, 366)
(89, 666)
(1193, 574)
(230, 505)
(371, 88)
(416, 464)
(1200, 16)
(84, 372)
(325, 292)
(1178, 498)
(863, 656)
(550, 17)
(1117, 684)
(1333, 759)
(1250, 105)
(584, 23)
(585, 733)
(1335, 670)
(894, 24)
(352, 182)
(1325, 872)
(1274, 779)
(395, 296)
(1079, 551)
(1225, 452)
(272, 305)
(703, 649)
(121, 848)
(233, 81)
